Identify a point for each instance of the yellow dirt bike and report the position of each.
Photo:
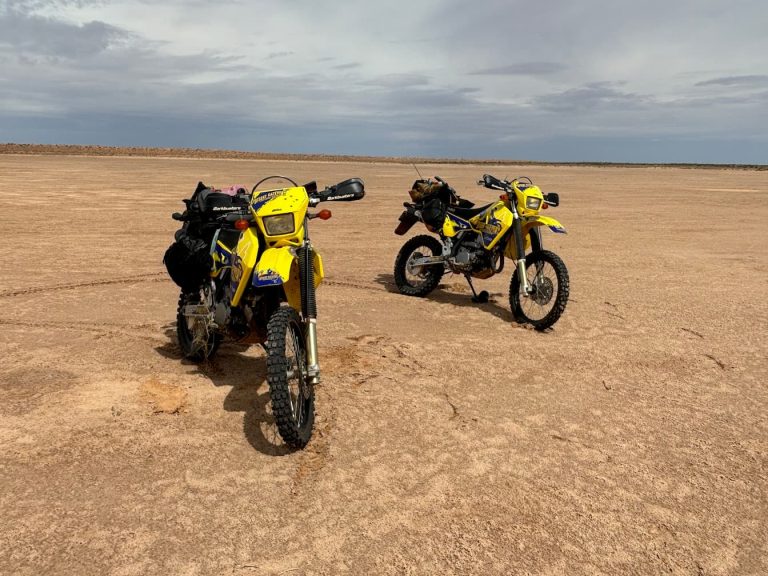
(248, 271)
(474, 242)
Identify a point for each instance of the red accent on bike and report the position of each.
(546, 206)
(242, 224)
(504, 197)
(324, 214)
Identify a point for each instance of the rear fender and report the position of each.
(407, 220)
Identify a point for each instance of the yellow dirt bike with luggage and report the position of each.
(248, 272)
(475, 242)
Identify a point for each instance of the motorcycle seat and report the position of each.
(467, 213)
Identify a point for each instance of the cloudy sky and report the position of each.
(567, 80)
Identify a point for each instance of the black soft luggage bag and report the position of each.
(188, 261)
(433, 213)
(206, 206)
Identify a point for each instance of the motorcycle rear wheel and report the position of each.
(548, 277)
(292, 397)
(190, 349)
(418, 281)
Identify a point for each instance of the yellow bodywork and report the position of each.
(283, 263)
(452, 224)
(266, 203)
(523, 194)
(529, 223)
(276, 263)
(243, 262)
(493, 223)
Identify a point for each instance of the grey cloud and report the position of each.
(523, 69)
(348, 66)
(117, 87)
(273, 55)
(596, 95)
(30, 6)
(396, 80)
(757, 80)
(48, 37)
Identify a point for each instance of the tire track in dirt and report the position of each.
(357, 285)
(94, 328)
(153, 277)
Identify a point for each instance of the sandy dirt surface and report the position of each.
(630, 439)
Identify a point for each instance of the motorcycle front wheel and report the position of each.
(548, 278)
(418, 280)
(292, 397)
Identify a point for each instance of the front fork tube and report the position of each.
(313, 368)
(520, 248)
(309, 310)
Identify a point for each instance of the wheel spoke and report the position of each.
(295, 377)
(543, 281)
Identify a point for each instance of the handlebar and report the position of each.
(346, 191)
(493, 183)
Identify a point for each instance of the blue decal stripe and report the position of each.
(266, 197)
(267, 278)
(558, 230)
(267, 281)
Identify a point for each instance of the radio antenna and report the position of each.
(417, 171)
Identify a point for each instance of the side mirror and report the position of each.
(346, 191)
(552, 198)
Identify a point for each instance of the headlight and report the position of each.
(279, 224)
(532, 203)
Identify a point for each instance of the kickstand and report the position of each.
(481, 298)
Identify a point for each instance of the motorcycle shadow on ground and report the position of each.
(246, 375)
(446, 293)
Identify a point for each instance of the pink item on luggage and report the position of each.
(234, 190)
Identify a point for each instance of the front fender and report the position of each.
(280, 267)
(538, 220)
(275, 267)
(529, 223)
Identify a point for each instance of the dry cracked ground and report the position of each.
(630, 439)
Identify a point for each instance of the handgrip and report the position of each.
(346, 191)
(492, 182)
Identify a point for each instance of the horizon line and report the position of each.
(223, 154)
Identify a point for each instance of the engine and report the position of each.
(470, 257)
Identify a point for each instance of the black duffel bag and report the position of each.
(433, 213)
(188, 261)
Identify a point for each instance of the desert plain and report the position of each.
(632, 438)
